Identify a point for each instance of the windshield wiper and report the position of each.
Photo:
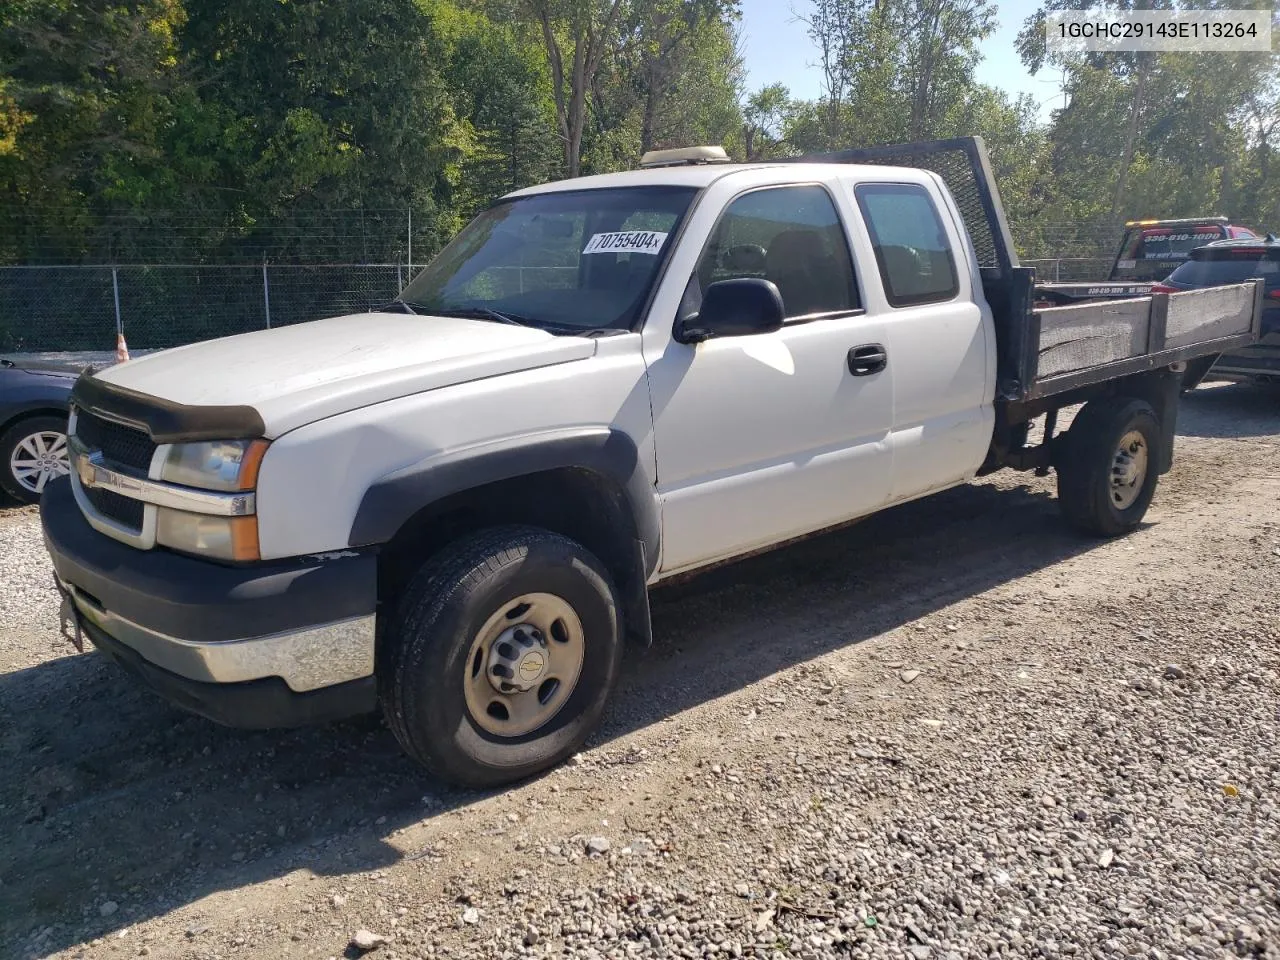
(484, 313)
(496, 316)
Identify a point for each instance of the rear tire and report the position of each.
(1108, 466)
(501, 656)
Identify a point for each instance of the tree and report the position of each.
(85, 98)
(497, 78)
(832, 26)
(940, 54)
(1162, 134)
(663, 36)
(893, 69)
(765, 116)
(577, 34)
(701, 103)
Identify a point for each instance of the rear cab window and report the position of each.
(913, 252)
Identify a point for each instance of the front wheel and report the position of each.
(33, 452)
(1108, 466)
(501, 656)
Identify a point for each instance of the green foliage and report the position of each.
(232, 130)
(296, 129)
(1146, 135)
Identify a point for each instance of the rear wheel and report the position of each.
(33, 452)
(1108, 466)
(501, 656)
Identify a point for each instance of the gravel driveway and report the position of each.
(954, 730)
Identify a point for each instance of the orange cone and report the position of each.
(122, 349)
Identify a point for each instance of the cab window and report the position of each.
(791, 236)
(912, 250)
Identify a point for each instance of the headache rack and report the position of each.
(1045, 351)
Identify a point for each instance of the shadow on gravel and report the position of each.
(1230, 411)
(107, 794)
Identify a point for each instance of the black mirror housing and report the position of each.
(734, 308)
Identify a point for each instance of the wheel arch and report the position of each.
(42, 409)
(586, 484)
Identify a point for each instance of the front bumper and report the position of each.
(275, 644)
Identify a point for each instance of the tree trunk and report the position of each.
(1131, 134)
(1226, 185)
(929, 44)
(556, 63)
(577, 101)
(649, 117)
(589, 44)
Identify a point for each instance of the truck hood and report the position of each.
(298, 374)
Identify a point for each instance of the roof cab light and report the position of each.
(683, 156)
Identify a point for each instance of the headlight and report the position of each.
(220, 465)
(217, 465)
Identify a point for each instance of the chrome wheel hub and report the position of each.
(1128, 469)
(523, 664)
(518, 659)
(39, 458)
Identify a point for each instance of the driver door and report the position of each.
(766, 437)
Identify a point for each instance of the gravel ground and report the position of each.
(955, 730)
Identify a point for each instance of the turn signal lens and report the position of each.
(224, 538)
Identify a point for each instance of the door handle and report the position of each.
(867, 359)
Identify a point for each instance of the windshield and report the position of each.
(579, 260)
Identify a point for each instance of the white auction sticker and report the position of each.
(629, 241)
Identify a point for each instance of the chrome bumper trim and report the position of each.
(306, 660)
(91, 472)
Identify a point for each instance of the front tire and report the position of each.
(33, 452)
(501, 656)
(1108, 466)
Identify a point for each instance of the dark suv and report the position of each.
(1234, 261)
(1151, 248)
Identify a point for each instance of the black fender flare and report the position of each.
(392, 500)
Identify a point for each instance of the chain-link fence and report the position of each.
(83, 307)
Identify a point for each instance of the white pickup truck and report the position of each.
(450, 508)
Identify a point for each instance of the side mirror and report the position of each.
(734, 308)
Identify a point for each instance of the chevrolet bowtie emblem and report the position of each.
(87, 468)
